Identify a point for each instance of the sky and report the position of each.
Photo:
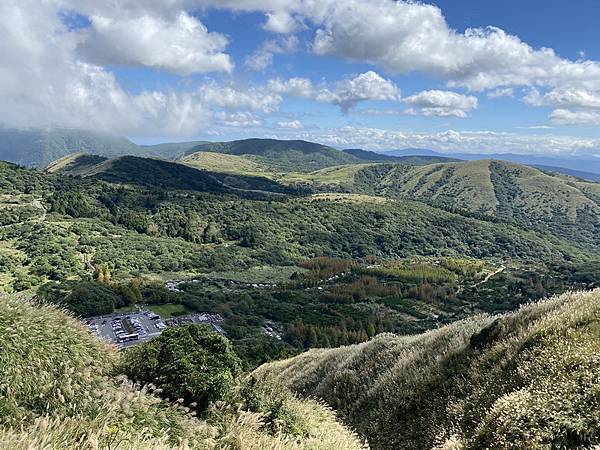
(448, 75)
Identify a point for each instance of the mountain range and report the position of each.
(403, 291)
(586, 167)
(38, 148)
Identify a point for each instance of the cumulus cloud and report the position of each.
(44, 83)
(297, 87)
(406, 36)
(568, 98)
(569, 117)
(501, 92)
(238, 119)
(452, 140)
(293, 124)
(441, 103)
(262, 57)
(366, 86)
(233, 97)
(345, 93)
(573, 106)
(52, 74)
(281, 22)
(182, 45)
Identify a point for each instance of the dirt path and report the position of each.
(490, 275)
(37, 203)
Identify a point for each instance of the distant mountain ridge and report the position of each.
(589, 167)
(413, 160)
(38, 148)
(279, 155)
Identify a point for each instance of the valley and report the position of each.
(297, 251)
(328, 257)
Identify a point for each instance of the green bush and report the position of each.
(188, 362)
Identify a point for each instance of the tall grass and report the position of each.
(58, 390)
(529, 379)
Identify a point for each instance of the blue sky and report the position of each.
(452, 75)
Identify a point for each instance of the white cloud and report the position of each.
(298, 87)
(501, 92)
(293, 124)
(573, 106)
(182, 45)
(407, 36)
(568, 98)
(441, 103)
(281, 22)
(44, 83)
(569, 117)
(346, 93)
(262, 57)
(234, 97)
(451, 140)
(404, 36)
(366, 86)
(238, 119)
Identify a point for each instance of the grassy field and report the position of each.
(338, 175)
(170, 310)
(351, 198)
(221, 162)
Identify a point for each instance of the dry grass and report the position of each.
(529, 379)
(58, 391)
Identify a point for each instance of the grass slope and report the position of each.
(163, 174)
(528, 379)
(59, 390)
(76, 164)
(500, 190)
(222, 162)
(277, 155)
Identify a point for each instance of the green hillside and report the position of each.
(278, 156)
(500, 190)
(222, 162)
(528, 379)
(163, 174)
(38, 148)
(60, 390)
(76, 164)
(411, 160)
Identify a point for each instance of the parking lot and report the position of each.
(126, 329)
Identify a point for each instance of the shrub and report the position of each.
(188, 362)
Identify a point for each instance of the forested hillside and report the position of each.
(322, 269)
(528, 379)
(294, 260)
